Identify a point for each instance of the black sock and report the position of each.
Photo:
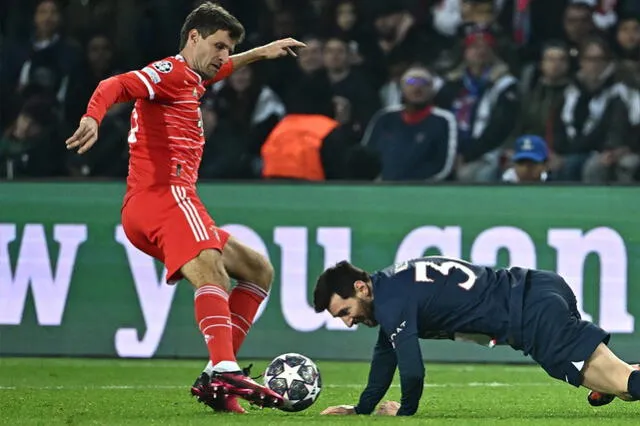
(633, 386)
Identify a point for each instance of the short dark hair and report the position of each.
(601, 42)
(338, 37)
(554, 44)
(581, 5)
(209, 18)
(339, 280)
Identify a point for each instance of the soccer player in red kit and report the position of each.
(162, 214)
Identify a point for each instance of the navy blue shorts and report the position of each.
(553, 333)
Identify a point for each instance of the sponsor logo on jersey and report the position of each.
(163, 66)
(392, 337)
(152, 74)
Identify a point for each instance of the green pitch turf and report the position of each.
(137, 392)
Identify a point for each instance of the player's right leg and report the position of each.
(254, 274)
(608, 377)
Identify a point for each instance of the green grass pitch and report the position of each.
(37, 391)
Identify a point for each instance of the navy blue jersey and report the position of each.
(436, 297)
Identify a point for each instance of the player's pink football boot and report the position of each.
(598, 399)
(245, 387)
(216, 394)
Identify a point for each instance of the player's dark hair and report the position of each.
(209, 18)
(338, 280)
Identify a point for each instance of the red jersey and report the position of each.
(166, 139)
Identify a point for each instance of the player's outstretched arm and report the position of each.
(273, 50)
(119, 88)
(383, 367)
(410, 365)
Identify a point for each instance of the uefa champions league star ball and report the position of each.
(296, 378)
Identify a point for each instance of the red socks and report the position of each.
(244, 302)
(213, 317)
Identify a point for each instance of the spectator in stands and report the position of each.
(249, 110)
(99, 64)
(395, 32)
(596, 117)
(310, 58)
(628, 50)
(109, 159)
(349, 84)
(578, 26)
(483, 96)
(51, 57)
(310, 67)
(32, 145)
(345, 22)
(416, 141)
(40, 66)
(530, 161)
(279, 75)
(539, 106)
(456, 19)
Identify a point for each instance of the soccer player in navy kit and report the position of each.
(437, 297)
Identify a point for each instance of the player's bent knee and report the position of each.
(264, 274)
(206, 268)
(245, 264)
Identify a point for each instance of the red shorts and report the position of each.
(172, 225)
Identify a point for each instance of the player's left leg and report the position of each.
(254, 275)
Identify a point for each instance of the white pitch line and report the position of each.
(330, 386)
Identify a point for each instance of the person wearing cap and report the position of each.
(529, 161)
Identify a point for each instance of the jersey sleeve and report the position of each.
(405, 340)
(156, 81)
(383, 367)
(162, 79)
(225, 71)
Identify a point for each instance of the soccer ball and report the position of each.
(296, 378)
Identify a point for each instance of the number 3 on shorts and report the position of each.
(444, 268)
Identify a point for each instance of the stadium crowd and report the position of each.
(386, 90)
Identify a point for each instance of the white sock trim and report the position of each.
(226, 367)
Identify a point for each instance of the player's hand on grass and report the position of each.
(279, 48)
(388, 408)
(340, 410)
(85, 136)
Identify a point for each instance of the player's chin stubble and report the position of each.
(367, 317)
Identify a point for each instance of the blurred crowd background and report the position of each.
(399, 90)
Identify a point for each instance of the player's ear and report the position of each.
(360, 287)
(193, 35)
